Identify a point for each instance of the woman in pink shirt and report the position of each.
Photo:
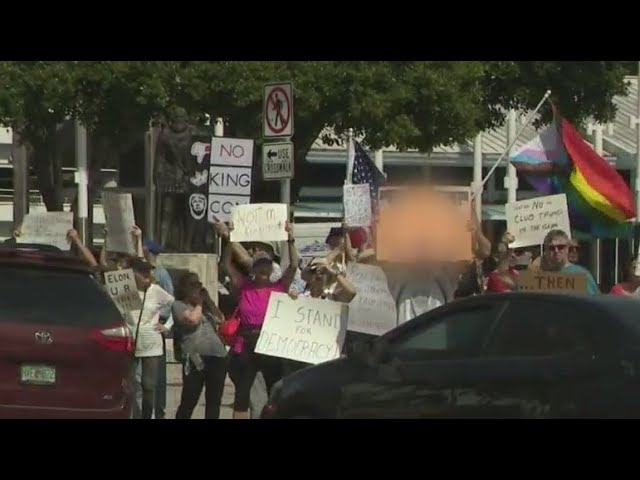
(629, 287)
(254, 292)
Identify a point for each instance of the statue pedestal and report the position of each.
(205, 265)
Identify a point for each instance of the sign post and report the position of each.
(277, 116)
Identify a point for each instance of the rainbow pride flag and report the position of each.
(559, 160)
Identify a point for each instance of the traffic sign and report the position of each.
(277, 161)
(277, 110)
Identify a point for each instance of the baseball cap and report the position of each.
(139, 265)
(334, 232)
(152, 246)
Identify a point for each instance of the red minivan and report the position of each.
(64, 347)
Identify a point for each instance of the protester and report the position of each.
(74, 240)
(574, 251)
(556, 258)
(118, 260)
(631, 286)
(147, 331)
(254, 294)
(204, 354)
(504, 277)
(162, 278)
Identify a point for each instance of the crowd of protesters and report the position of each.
(182, 308)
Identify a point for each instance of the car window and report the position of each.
(530, 328)
(53, 297)
(457, 334)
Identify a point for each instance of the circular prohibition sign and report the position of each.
(277, 97)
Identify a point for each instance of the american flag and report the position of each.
(365, 171)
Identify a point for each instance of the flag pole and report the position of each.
(513, 142)
(351, 151)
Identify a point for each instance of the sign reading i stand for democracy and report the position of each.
(121, 285)
(198, 188)
(307, 330)
(118, 212)
(256, 222)
(373, 309)
(229, 176)
(46, 228)
(357, 205)
(530, 220)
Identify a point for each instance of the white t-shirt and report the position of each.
(149, 341)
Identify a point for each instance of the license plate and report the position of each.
(38, 374)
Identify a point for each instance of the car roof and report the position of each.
(43, 256)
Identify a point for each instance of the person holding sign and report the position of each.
(147, 330)
(254, 293)
(631, 286)
(556, 259)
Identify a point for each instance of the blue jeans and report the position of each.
(160, 403)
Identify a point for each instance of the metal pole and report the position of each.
(82, 179)
(378, 159)
(512, 176)
(477, 174)
(351, 152)
(20, 180)
(218, 131)
(598, 143)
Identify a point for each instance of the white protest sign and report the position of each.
(259, 222)
(530, 220)
(357, 205)
(121, 286)
(46, 228)
(373, 309)
(230, 174)
(120, 220)
(308, 330)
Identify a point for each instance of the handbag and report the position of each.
(135, 338)
(229, 329)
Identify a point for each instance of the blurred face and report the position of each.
(334, 241)
(574, 251)
(557, 252)
(262, 271)
(143, 279)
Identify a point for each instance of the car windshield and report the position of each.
(53, 297)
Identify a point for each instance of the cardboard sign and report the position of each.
(121, 286)
(529, 221)
(357, 205)
(47, 228)
(259, 222)
(118, 212)
(552, 282)
(373, 309)
(307, 330)
(424, 226)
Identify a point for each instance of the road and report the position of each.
(174, 388)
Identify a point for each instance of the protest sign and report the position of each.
(530, 220)
(552, 282)
(121, 286)
(46, 228)
(118, 212)
(373, 309)
(307, 329)
(357, 205)
(259, 222)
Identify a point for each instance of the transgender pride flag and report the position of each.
(540, 158)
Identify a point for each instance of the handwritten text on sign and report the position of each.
(373, 309)
(118, 211)
(121, 286)
(357, 205)
(308, 330)
(47, 228)
(257, 222)
(552, 282)
(530, 220)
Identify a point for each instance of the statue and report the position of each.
(174, 166)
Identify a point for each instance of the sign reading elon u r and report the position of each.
(229, 176)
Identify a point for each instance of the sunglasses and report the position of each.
(557, 248)
(574, 249)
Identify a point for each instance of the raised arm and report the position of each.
(104, 262)
(239, 252)
(345, 291)
(74, 239)
(294, 259)
(236, 275)
(137, 241)
(481, 244)
(346, 244)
